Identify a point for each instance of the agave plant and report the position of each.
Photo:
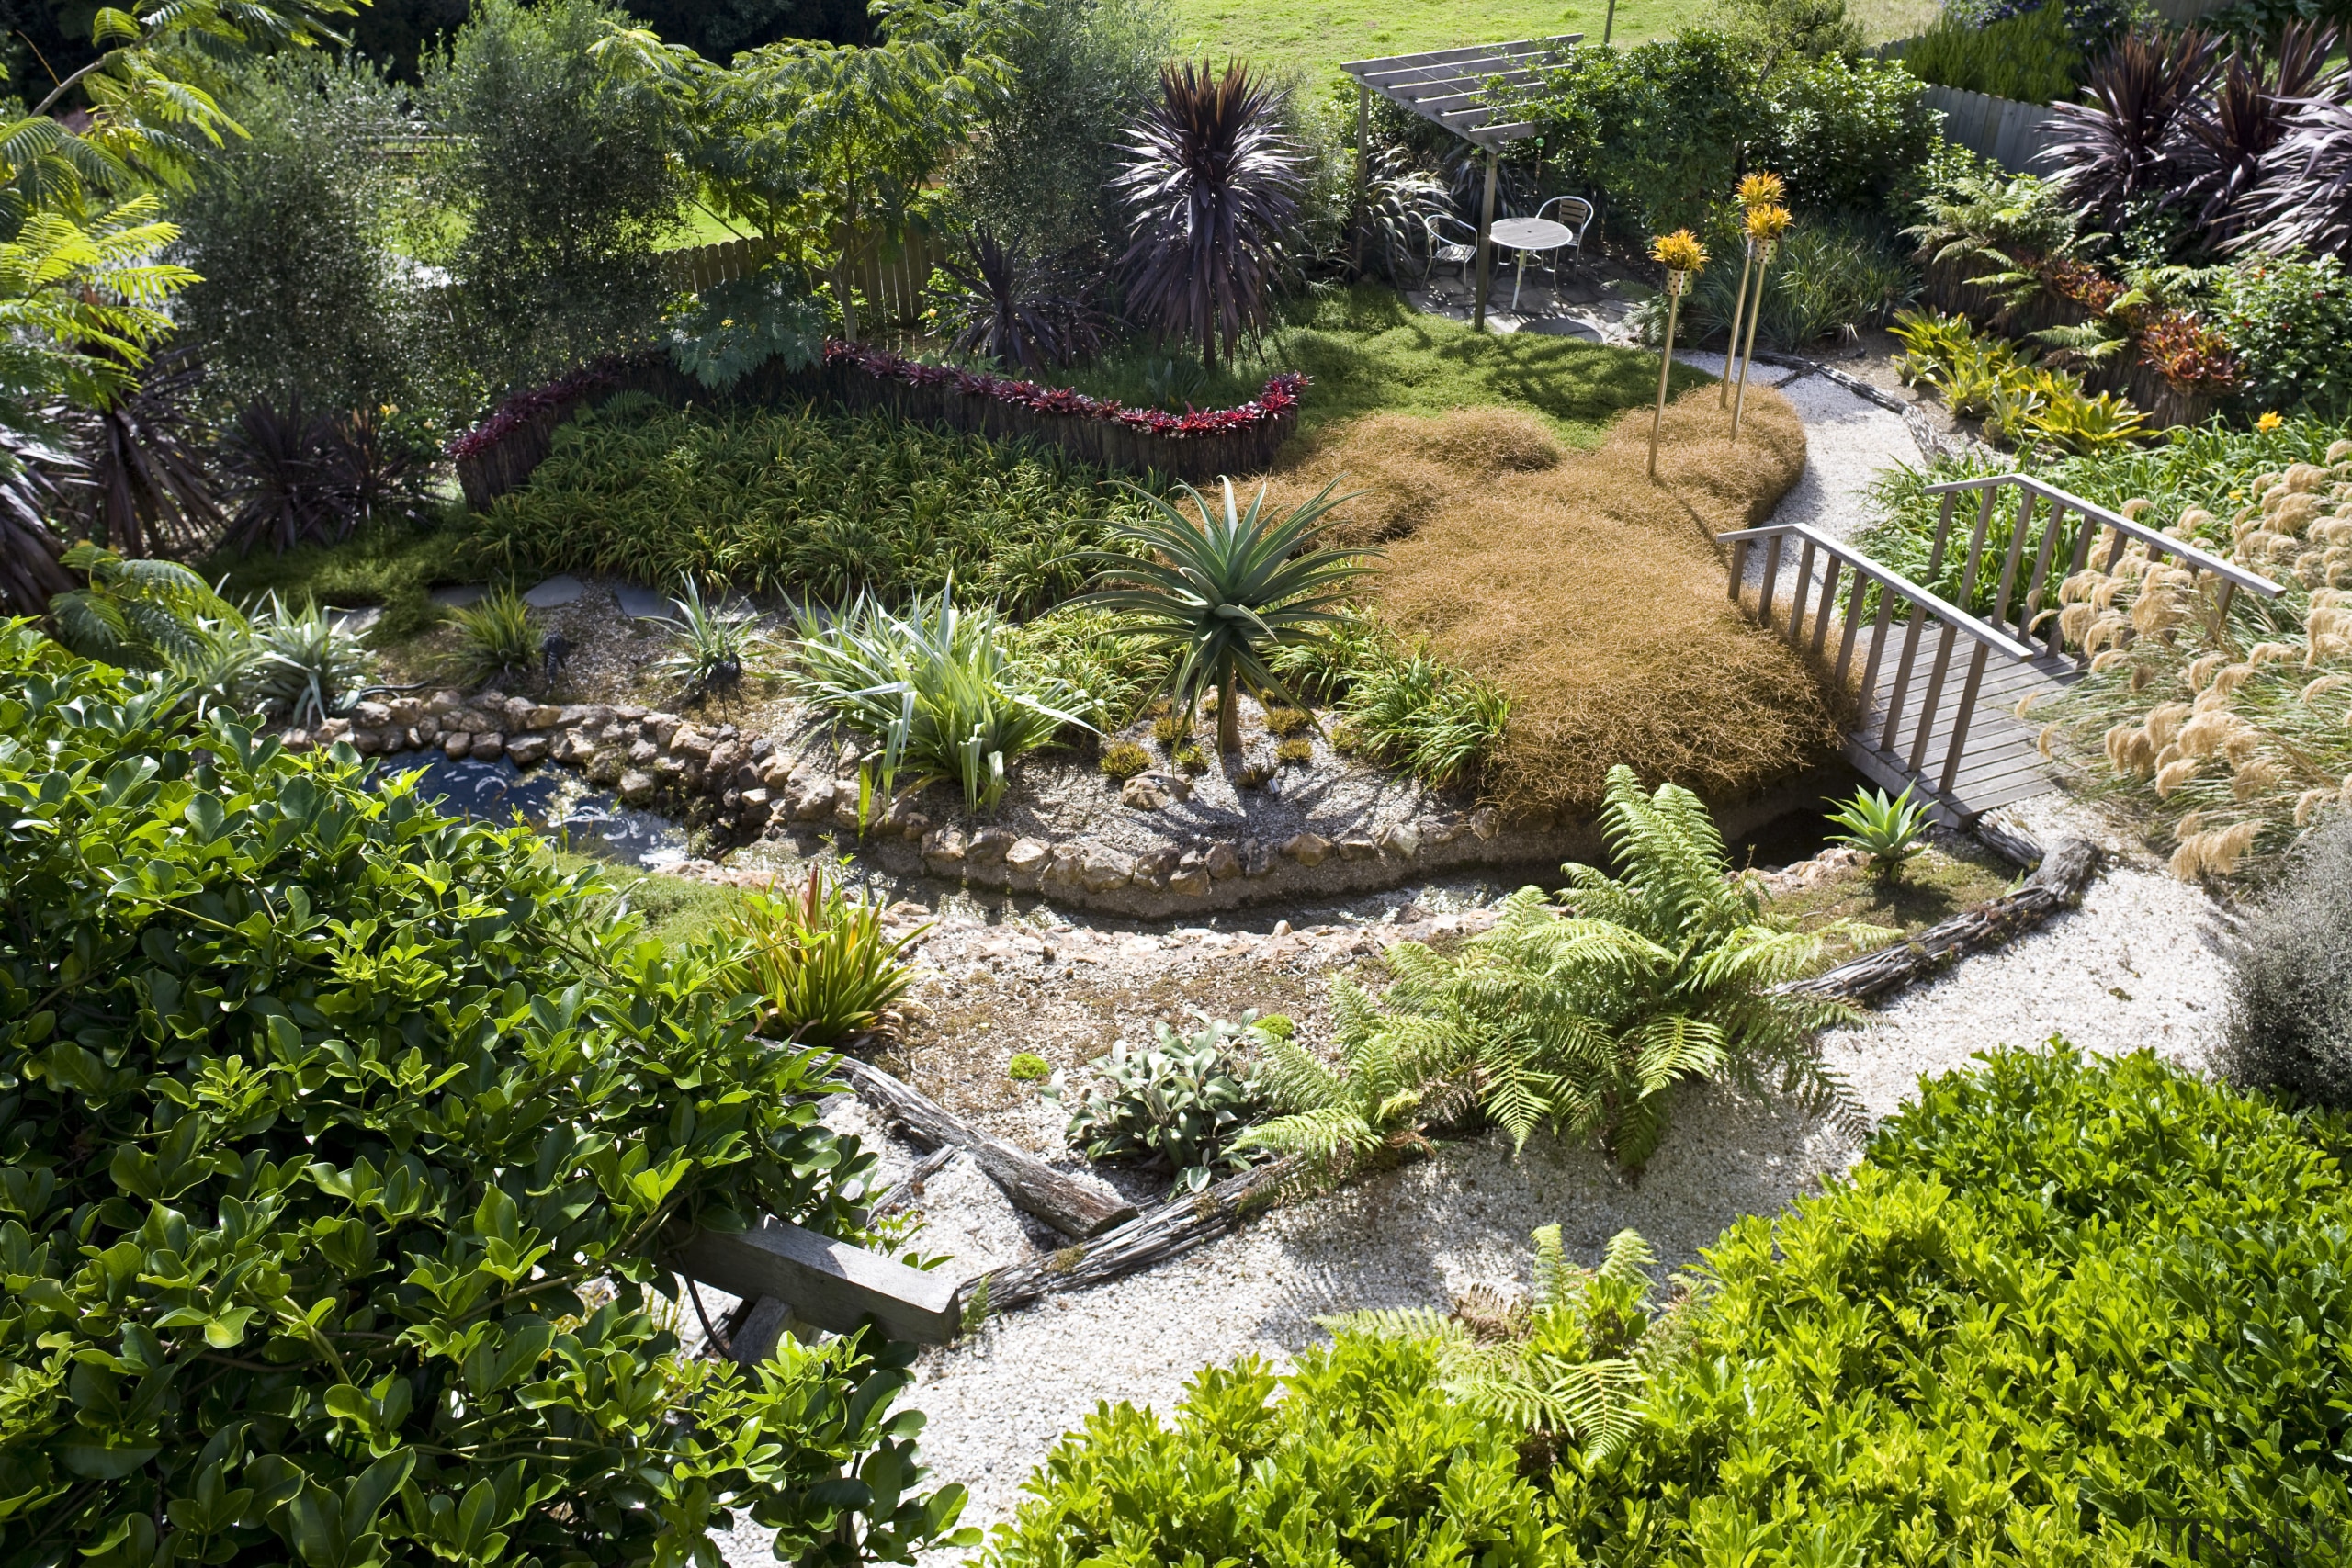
(2124, 143)
(1888, 831)
(1223, 591)
(712, 646)
(939, 687)
(1016, 310)
(2231, 136)
(1211, 188)
(305, 667)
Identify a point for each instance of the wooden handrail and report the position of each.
(2155, 539)
(1893, 582)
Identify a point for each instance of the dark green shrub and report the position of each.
(339, 1140)
(1824, 280)
(2288, 320)
(2291, 1025)
(2029, 58)
(799, 503)
(1846, 135)
(1655, 130)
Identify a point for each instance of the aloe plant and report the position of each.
(1223, 591)
(1889, 831)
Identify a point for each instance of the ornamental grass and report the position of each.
(1591, 597)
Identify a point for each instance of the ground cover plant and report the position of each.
(393, 565)
(2063, 1311)
(2027, 57)
(2291, 982)
(1518, 562)
(2226, 736)
(341, 1140)
(801, 503)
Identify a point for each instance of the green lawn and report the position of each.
(1312, 33)
(1369, 351)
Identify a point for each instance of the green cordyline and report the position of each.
(1224, 591)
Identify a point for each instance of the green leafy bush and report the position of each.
(1412, 709)
(732, 329)
(2289, 321)
(1181, 1103)
(1824, 280)
(1089, 649)
(339, 1143)
(2064, 1312)
(1656, 128)
(1848, 136)
(2028, 57)
(797, 504)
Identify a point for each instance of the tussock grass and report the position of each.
(1590, 596)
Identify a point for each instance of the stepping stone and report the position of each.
(555, 592)
(643, 604)
(359, 622)
(460, 597)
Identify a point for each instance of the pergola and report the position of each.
(1448, 87)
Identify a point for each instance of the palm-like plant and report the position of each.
(1224, 589)
(1211, 188)
(2124, 143)
(1583, 1020)
(149, 489)
(2250, 111)
(1016, 310)
(2305, 195)
(139, 613)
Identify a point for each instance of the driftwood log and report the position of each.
(1072, 1207)
(1168, 1231)
(2064, 875)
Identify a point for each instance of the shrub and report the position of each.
(711, 647)
(1172, 729)
(1192, 758)
(2290, 990)
(1181, 1103)
(1889, 831)
(2288, 320)
(1295, 751)
(1013, 307)
(1655, 130)
(565, 182)
(732, 329)
(1823, 279)
(820, 961)
(939, 688)
(496, 635)
(343, 1107)
(1125, 760)
(1847, 135)
(1027, 1066)
(305, 298)
(2057, 1289)
(306, 668)
(1583, 1020)
(1288, 721)
(1089, 649)
(2027, 58)
(2121, 144)
(799, 505)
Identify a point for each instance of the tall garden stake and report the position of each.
(1754, 191)
(1764, 227)
(1683, 257)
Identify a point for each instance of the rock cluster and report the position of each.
(738, 782)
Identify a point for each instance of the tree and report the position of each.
(1225, 590)
(565, 182)
(341, 1142)
(1211, 186)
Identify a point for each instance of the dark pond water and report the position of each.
(556, 801)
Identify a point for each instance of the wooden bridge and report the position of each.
(1966, 754)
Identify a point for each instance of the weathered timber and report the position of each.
(901, 1194)
(1168, 1231)
(828, 1284)
(2066, 873)
(750, 1332)
(2020, 850)
(1072, 1207)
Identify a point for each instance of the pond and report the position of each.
(556, 801)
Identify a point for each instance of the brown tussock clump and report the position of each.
(1592, 596)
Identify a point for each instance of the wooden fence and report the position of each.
(891, 278)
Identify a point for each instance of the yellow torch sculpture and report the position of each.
(1754, 191)
(1764, 227)
(1683, 257)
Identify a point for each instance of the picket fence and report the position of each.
(892, 279)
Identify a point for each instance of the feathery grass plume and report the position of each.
(1581, 1021)
(2174, 775)
(2255, 778)
(2307, 805)
(1567, 1365)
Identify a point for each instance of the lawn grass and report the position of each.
(1368, 351)
(674, 907)
(1312, 36)
(1934, 888)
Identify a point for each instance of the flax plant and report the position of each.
(1756, 191)
(1765, 226)
(1684, 258)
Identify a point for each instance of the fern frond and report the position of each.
(1627, 1259)
(1554, 1277)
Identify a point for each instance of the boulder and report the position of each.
(444, 702)
(607, 766)
(525, 750)
(1222, 862)
(1101, 869)
(543, 716)
(1358, 848)
(1192, 884)
(1403, 840)
(688, 741)
(943, 850)
(991, 844)
(1152, 868)
(456, 744)
(1308, 849)
(518, 711)
(489, 747)
(815, 802)
(726, 757)
(658, 727)
(1486, 822)
(371, 714)
(404, 711)
(367, 742)
(332, 730)
(1258, 857)
(1027, 856)
(641, 752)
(1143, 793)
(579, 715)
(636, 786)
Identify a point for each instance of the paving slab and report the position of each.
(459, 597)
(643, 604)
(555, 592)
(359, 622)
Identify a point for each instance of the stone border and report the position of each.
(741, 785)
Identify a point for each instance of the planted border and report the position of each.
(502, 452)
